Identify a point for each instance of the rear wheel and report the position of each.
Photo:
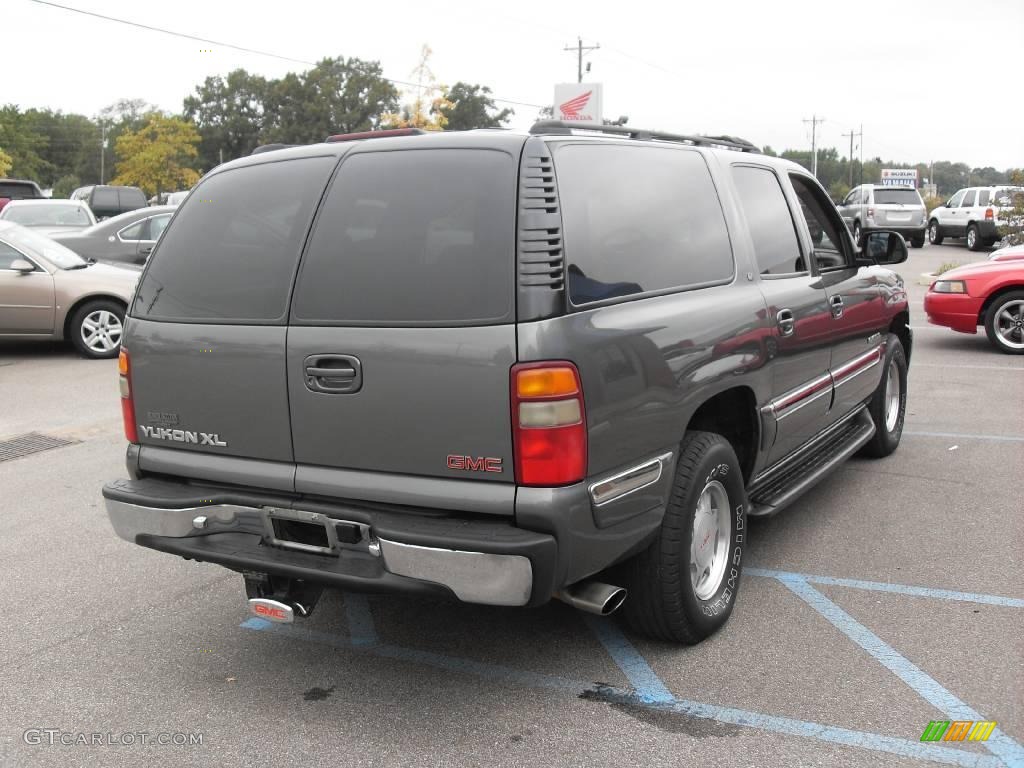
(96, 328)
(917, 242)
(934, 234)
(888, 406)
(1004, 323)
(683, 587)
(973, 238)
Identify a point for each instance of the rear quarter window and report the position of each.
(639, 220)
(234, 245)
(413, 237)
(131, 199)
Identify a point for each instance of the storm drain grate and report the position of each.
(33, 442)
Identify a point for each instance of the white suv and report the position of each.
(974, 213)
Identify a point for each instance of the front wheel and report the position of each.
(917, 242)
(856, 233)
(888, 406)
(683, 587)
(96, 329)
(1004, 323)
(934, 235)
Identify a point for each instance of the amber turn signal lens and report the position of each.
(122, 363)
(546, 382)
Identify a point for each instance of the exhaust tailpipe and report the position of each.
(593, 597)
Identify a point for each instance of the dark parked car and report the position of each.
(500, 367)
(106, 201)
(18, 189)
(129, 237)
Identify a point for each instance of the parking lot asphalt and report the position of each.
(890, 596)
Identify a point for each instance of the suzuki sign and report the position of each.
(578, 101)
(899, 177)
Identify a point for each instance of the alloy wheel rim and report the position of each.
(1009, 324)
(709, 545)
(101, 330)
(972, 238)
(933, 233)
(892, 397)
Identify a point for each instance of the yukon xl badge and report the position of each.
(474, 464)
(183, 436)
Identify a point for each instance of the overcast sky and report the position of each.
(927, 78)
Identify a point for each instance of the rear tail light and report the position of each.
(127, 402)
(989, 214)
(549, 426)
(871, 213)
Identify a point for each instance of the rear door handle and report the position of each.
(333, 374)
(787, 325)
(836, 303)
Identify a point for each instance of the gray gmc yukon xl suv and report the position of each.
(502, 367)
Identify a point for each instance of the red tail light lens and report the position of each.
(127, 402)
(989, 214)
(549, 425)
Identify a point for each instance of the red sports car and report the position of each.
(989, 293)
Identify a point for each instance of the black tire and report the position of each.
(663, 601)
(973, 238)
(1012, 302)
(917, 242)
(78, 336)
(856, 234)
(934, 233)
(887, 438)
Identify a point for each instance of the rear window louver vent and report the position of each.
(541, 259)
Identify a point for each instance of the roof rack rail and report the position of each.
(566, 127)
(374, 134)
(270, 148)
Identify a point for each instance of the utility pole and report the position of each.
(861, 134)
(580, 48)
(814, 142)
(851, 134)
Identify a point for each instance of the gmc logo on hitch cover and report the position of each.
(477, 464)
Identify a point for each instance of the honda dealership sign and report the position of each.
(578, 101)
(899, 177)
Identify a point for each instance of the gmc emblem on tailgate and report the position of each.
(474, 464)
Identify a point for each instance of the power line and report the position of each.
(233, 46)
(580, 48)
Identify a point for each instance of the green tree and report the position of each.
(22, 145)
(471, 106)
(159, 156)
(230, 113)
(5, 163)
(1013, 230)
(65, 185)
(72, 144)
(336, 96)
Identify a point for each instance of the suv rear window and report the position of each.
(904, 196)
(639, 219)
(413, 237)
(14, 190)
(104, 200)
(233, 248)
(131, 199)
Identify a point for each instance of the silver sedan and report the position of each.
(128, 238)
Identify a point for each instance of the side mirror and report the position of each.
(883, 247)
(20, 265)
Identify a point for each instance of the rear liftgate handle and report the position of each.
(333, 374)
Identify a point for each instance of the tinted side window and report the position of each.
(969, 198)
(413, 237)
(639, 219)
(984, 196)
(156, 226)
(8, 256)
(823, 222)
(769, 220)
(131, 199)
(104, 200)
(233, 250)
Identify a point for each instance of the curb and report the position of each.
(926, 278)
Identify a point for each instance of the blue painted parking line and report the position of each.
(999, 744)
(963, 436)
(645, 682)
(360, 621)
(899, 589)
(781, 725)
